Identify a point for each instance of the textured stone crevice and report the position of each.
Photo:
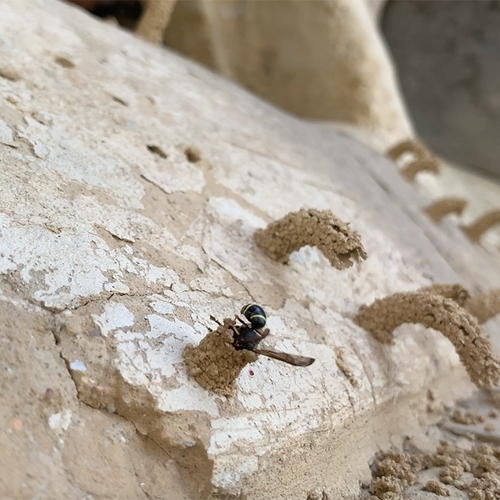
(442, 314)
(340, 244)
(453, 291)
(343, 366)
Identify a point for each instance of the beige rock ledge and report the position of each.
(132, 182)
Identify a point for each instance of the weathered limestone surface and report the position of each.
(131, 183)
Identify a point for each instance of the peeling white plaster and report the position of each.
(157, 358)
(60, 421)
(148, 359)
(195, 255)
(178, 329)
(116, 229)
(68, 264)
(232, 213)
(74, 159)
(115, 316)
(6, 134)
(62, 268)
(155, 273)
(201, 329)
(127, 336)
(162, 307)
(78, 366)
(117, 287)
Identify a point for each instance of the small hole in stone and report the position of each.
(65, 63)
(192, 154)
(9, 74)
(157, 151)
(119, 101)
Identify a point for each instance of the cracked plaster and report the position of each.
(77, 238)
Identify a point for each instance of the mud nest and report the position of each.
(215, 364)
(442, 314)
(444, 206)
(340, 244)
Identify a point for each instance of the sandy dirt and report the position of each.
(460, 459)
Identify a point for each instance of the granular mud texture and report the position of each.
(215, 363)
(466, 418)
(340, 244)
(485, 306)
(436, 487)
(475, 471)
(454, 291)
(442, 314)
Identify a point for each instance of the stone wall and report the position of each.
(133, 182)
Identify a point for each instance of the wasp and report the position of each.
(247, 336)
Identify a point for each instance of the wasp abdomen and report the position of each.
(255, 314)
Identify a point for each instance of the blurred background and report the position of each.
(383, 71)
(448, 60)
(446, 54)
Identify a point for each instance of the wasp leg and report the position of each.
(213, 318)
(235, 330)
(244, 323)
(263, 333)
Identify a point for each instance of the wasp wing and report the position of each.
(291, 359)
